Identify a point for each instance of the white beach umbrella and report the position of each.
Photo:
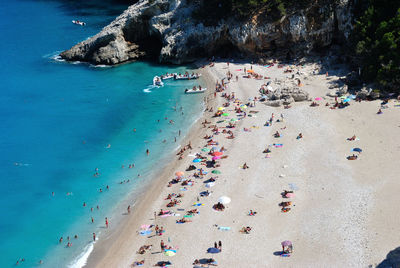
(224, 200)
(210, 184)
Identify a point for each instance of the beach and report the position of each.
(339, 213)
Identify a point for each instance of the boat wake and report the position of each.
(149, 88)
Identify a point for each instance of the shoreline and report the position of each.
(335, 208)
(148, 191)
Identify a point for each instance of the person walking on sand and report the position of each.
(220, 245)
(162, 245)
(129, 209)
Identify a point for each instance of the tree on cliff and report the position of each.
(377, 43)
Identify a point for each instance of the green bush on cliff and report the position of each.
(211, 11)
(377, 43)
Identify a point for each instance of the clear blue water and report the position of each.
(56, 122)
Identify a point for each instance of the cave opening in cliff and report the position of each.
(151, 45)
(225, 48)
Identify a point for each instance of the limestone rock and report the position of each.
(165, 29)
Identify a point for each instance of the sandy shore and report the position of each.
(341, 215)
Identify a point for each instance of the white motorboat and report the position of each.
(196, 90)
(167, 76)
(157, 81)
(186, 76)
(78, 22)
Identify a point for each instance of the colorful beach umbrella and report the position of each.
(286, 243)
(359, 150)
(225, 114)
(289, 195)
(217, 153)
(169, 253)
(196, 160)
(216, 172)
(216, 157)
(318, 98)
(179, 173)
(221, 108)
(250, 71)
(213, 250)
(234, 120)
(205, 149)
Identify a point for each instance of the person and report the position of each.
(352, 138)
(215, 245)
(94, 236)
(129, 209)
(220, 245)
(61, 239)
(92, 220)
(379, 111)
(106, 222)
(300, 136)
(245, 166)
(147, 152)
(162, 245)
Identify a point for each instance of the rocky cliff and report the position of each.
(166, 30)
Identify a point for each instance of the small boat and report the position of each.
(167, 76)
(186, 76)
(157, 81)
(78, 22)
(195, 90)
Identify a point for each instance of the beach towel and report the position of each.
(147, 232)
(222, 228)
(198, 204)
(278, 145)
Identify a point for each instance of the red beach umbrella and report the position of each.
(217, 153)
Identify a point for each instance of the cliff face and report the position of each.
(166, 29)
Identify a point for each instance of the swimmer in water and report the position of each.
(108, 146)
(147, 152)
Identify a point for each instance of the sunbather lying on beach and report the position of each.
(277, 135)
(143, 249)
(137, 263)
(183, 220)
(352, 157)
(299, 136)
(314, 104)
(245, 166)
(352, 138)
(245, 230)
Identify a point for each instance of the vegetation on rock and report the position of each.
(377, 43)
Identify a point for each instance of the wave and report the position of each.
(81, 260)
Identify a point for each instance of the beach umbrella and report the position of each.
(318, 98)
(250, 71)
(213, 250)
(359, 150)
(225, 114)
(289, 195)
(169, 253)
(210, 184)
(196, 160)
(216, 157)
(346, 100)
(217, 153)
(221, 108)
(179, 174)
(243, 106)
(224, 200)
(286, 243)
(216, 172)
(233, 120)
(205, 149)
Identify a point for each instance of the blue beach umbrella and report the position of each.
(196, 160)
(359, 150)
(213, 250)
(346, 100)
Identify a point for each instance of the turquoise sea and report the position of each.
(61, 121)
